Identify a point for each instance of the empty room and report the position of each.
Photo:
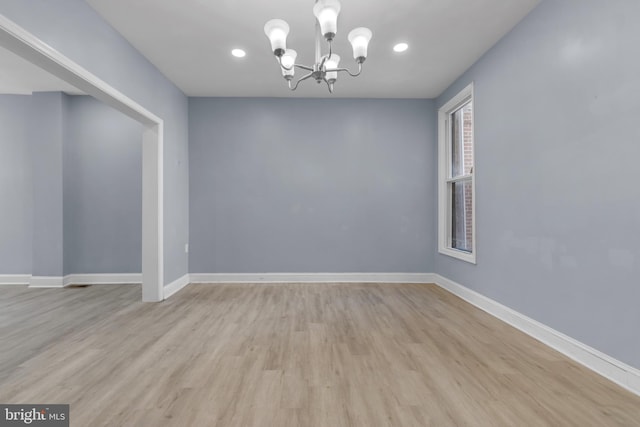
(319, 213)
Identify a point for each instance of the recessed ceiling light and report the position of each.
(400, 47)
(238, 53)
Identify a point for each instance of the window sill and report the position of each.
(461, 255)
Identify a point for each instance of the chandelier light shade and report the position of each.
(277, 30)
(325, 69)
(331, 63)
(288, 62)
(359, 39)
(326, 11)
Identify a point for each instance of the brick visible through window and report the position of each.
(462, 166)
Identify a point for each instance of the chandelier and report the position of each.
(325, 69)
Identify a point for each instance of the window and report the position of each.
(456, 185)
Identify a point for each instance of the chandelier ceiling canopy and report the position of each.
(325, 69)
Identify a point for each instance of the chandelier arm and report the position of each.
(345, 69)
(304, 67)
(298, 82)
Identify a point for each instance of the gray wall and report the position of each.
(102, 189)
(15, 186)
(557, 149)
(311, 185)
(70, 186)
(75, 29)
(46, 134)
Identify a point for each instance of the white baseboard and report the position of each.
(312, 277)
(102, 279)
(46, 282)
(78, 279)
(14, 279)
(175, 286)
(613, 369)
(214, 278)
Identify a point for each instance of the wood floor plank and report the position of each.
(290, 355)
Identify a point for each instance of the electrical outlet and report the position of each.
(186, 248)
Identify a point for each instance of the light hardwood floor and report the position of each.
(290, 355)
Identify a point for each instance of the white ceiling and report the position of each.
(20, 77)
(190, 42)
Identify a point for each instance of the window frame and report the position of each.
(445, 180)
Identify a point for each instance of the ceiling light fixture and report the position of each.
(325, 67)
(400, 47)
(238, 53)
